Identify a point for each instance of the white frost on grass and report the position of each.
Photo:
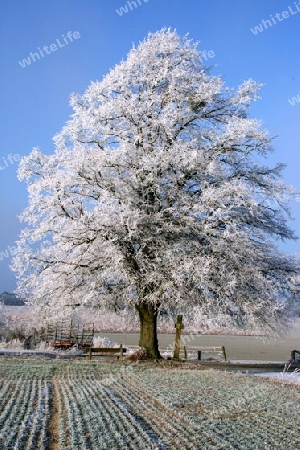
(291, 377)
(17, 345)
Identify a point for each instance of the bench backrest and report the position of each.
(107, 349)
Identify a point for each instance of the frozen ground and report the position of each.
(90, 406)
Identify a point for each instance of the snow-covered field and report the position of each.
(101, 406)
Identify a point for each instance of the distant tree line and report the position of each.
(10, 299)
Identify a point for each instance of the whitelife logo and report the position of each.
(294, 100)
(47, 49)
(279, 17)
(10, 251)
(124, 9)
(9, 160)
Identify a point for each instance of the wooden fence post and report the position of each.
(223, 353)
(184, 352)
(179, 326)
(121, 351)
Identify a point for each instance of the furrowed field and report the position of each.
(109, 405)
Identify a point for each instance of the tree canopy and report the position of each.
(157, 197)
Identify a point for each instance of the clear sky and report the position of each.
(35, 94)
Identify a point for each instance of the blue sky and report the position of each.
(35, 98)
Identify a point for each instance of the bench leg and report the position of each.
(89, 356)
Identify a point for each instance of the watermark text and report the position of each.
(47, 49)
(278, 17)
(9, 160)
(131, 4)
(294, 100)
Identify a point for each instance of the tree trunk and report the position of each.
(148, 329)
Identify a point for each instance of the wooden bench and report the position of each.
(219, 351)
(106, 351)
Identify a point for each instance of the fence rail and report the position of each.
(196, 351)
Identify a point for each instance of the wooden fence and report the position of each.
(196, 352)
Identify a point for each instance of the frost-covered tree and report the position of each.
(155, 198)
